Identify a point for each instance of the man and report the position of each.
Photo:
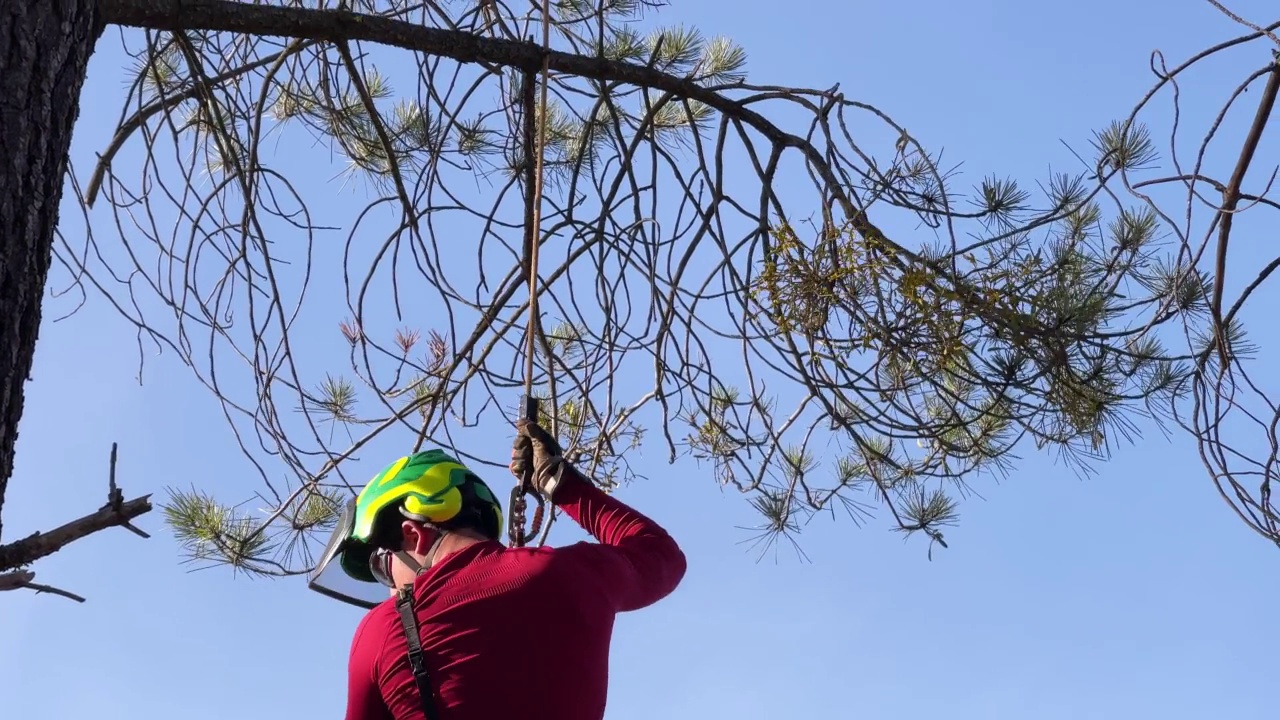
(504, 633)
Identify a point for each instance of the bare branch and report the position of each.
(55, 591)
(21, 553)
(23, 579)
(1232, 414)
(1231, 196)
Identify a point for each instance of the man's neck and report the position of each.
(452, 543)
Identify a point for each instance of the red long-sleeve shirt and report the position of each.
(518, 632)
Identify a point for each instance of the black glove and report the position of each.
(535, 447)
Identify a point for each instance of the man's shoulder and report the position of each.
(375, 622)
(572, 558)
(546, 553)
(370, 639)
(508, 562)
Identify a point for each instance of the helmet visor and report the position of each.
(329, 579)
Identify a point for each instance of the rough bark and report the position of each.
(44, 55)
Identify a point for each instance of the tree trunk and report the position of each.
(44, 54)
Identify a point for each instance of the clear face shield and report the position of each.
(330, 579)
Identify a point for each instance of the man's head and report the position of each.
(408, 508)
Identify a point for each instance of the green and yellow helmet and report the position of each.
(430, 487)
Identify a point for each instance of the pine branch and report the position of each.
(922, 366)
(338, 26)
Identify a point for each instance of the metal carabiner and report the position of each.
(516, 515)
(518, 504)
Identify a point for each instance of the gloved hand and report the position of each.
(535, 447)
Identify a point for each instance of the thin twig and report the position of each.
(54, 591)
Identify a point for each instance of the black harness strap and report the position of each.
(404, 605)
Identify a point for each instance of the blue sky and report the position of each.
(1130, 594)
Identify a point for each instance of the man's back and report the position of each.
(518, 632)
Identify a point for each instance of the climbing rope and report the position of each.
(535, 136)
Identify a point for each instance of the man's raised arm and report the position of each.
(636, 561)
(640, 563)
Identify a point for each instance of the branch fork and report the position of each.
(15, 557)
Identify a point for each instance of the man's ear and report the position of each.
(416, 537)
